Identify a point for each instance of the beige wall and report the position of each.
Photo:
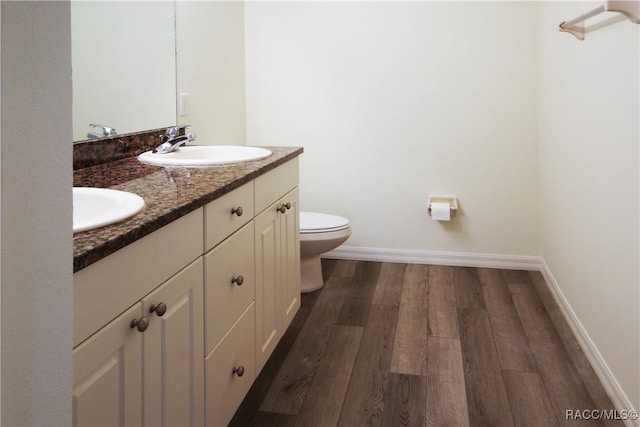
(36, 214)
(589, 194)
(396, 101)
(210, 64)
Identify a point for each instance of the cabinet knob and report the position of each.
(238, 280)
(160, 309)
(141, 324)
(237, 211)
(284, 207)
(239, 371)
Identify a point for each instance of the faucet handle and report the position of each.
(174, 131)
(106, 130)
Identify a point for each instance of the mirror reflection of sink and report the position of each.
(205, 155)
(97, 207)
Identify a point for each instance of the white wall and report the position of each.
(36, 214)
(589, 192)
(394, 101)
(210, 64)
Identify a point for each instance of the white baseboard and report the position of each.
(618, 397)
(513, 262)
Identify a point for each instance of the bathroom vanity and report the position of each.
(177, 309)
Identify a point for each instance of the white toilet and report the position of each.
(319, 233)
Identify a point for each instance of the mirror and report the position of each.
(123, 66)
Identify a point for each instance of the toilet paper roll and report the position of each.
(440, 211)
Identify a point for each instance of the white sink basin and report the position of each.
(97, 207)
(205, 155)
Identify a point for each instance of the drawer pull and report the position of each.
(237, 211)
(141, 324)
(239, 371)
(284, 207)
(238, 280)
(160, 309)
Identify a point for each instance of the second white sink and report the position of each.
(205, 155)
(97, 207)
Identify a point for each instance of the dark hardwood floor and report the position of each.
(417, 345)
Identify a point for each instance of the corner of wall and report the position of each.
(36, 213)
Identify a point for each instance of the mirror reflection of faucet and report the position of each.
(173, 140)
(106, 131)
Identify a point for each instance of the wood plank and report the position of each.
(516, 277)
(442, 312)
(404, 400)
(389, 286)
(410, 343)
(344, 268)
(364, 402)
(486, 394)
(325, 397)
(590, 380)
(530, 404)
(446, 396)
(511, 341)
(328, 267)
(356, 304)
(270, 419)
(562, 382)
(550, 304)
(289, 388)
(468, 288)
(535, 320)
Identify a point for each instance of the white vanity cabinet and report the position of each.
(174, 328)
(277, 257)
(140, 359)
(244, 322)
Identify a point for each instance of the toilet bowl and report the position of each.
(319, 233)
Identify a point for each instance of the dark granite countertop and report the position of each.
(169, 193)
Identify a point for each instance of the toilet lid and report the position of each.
(313, 222)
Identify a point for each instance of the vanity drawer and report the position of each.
(225, 215)
(225, 388)
(275, 184)
(107, 288)
(226, 300)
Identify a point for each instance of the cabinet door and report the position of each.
(290, 252)
(173, 351)
(107, 375)
(267, 275)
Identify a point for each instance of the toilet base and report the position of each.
(311, 274)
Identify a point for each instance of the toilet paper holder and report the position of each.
(451, 200)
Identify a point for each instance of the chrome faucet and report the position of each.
(173, 140)
(106, 131)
